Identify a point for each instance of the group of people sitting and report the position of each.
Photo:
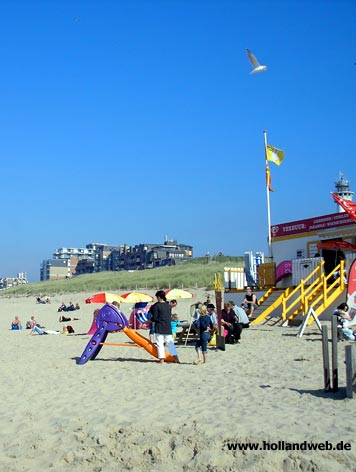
(32, 324)
(233, 320)
(70, 307)
(36, 328)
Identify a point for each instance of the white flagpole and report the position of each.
(268, 201)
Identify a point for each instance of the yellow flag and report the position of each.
(274, 155)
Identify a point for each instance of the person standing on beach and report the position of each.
(161, 315)
(204, 326)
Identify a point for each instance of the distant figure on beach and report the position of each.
(64, 319)
(70, 307)
(208, 301)
(62, 307)
(231, 325)
(77, 307)
(161, 316)
(36, 330)
(16, 324)
(40, 331)
(204, 326)
(39, 300)
(250, 301)
(32, 322)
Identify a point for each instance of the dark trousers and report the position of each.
(234, 333)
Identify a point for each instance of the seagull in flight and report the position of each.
(255, 64)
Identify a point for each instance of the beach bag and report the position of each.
(212, 341)
(70, 329)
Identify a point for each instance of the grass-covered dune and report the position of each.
(197, 273)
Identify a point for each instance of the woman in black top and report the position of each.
(161, 316)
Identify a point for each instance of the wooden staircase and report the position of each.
(317, 291)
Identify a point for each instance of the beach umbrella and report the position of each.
(336, 245)
(135, 297)
(104, 297)
(176, 293)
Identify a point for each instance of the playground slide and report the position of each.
(110, 319)
(145, 343)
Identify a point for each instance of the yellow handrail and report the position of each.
(319, 294)
(312, 292)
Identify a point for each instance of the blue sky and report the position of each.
(124, 122)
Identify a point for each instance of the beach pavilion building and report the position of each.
(310, 261)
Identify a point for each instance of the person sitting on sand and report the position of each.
(33, 323)
(250, 301)
(70, 307)
(16, 324)
(36, 330)
(62, 307)
(77, 307)
(205, 327)
(231, 324)
(64, 319)
(241, 315)
(211, 312)
(343, 319)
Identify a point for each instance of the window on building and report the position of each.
(300, 253)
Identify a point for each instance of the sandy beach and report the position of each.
(125, 412)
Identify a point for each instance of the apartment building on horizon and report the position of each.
(97, 257)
